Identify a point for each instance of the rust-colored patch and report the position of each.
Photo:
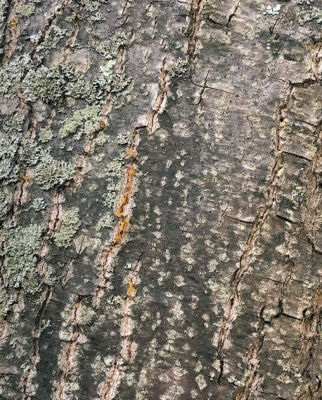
(132, 152)
(121, 230)
(127, 192)
(131, 289)
(13, 23)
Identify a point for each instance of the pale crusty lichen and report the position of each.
(29, 152)
(109, 48)
(19, 249)
(45, 135)
(32, 81)
(178, 68)
(106, 221)
(54, 173)
(25, 10)
(39, 204)
(90, 5)
(5, 204)
(113, 172)
(10, 137)
(313, 14)
(43, 83)
(86, 120)
(70, 225)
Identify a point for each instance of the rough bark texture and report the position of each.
(161, 203)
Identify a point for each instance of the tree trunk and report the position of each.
(161, 199)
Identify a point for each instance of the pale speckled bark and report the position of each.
(161, 170)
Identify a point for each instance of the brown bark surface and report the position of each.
(161, 203)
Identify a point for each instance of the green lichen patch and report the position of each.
(11, 76)
(39, 204)
(43, 83)
(85, 121)
(113, 173)
(5, 204)
(25, 76)
(107, 68)
(29, 152)
(45, 135)
(10, 138)
(106, 221)
(54, 173)
(314, 13)
(70, 225)
(25, 10)
(54, 37)
(90, 5)
(19, 249)
(109, 48)
(178, 68)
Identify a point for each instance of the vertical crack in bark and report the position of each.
(245, 260)
(310, 329)
(12, 31)
(311, 323)
(128, 346)
(26, 381)
(160, 102)
(20, 195)
(233, 13)
(252, 375)
(123, 213)
(67, 357)
(203, 88)
(57, 211)
(71, 41)
(311, 218)
(194, 23)
(123, 209)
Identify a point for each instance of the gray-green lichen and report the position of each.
(29, 152)
(33, 81)
(178, 68)
(85, 121)
(47, 84)
(54, 37)
(54, 173)
(109, 49)
(113, 172)
(25, 10)
(19, 249)
(314, 13)
(106, 221)
(124, 138)
(4, 4)
(5, 204)
(69, 226)
(45, 135)
(90, 5)
(10, 138)
(39, 204)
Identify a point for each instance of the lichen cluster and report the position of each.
(69, 226)
(86, 120)
(54, 173)
(19, 249)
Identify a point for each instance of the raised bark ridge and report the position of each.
(161, 200)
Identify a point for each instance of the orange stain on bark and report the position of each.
(127, 192)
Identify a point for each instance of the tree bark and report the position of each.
(161, 194)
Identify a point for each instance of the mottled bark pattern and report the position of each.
(161, 199)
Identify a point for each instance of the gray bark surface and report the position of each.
(160, 210)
